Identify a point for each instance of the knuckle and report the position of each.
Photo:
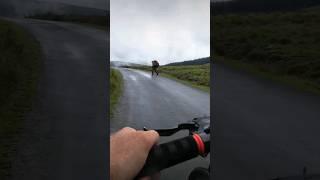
(144, 140)
(128, 129)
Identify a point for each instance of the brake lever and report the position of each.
(191, 127)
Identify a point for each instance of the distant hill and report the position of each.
(64, 9)
(192, 62)
(32, 7)
(249, 6)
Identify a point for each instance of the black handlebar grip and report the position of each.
(169, 154)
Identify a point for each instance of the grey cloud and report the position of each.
(169, 30)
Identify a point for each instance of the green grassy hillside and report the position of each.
(194, 75)
(200, 61)
(285, 46)
(19, 71)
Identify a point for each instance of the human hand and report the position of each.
(129, 150)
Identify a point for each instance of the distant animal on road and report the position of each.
(155, 66)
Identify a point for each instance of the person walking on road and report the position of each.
(155, 66)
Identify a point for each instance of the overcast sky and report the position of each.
(167, 30)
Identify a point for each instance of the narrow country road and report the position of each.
(65, 134)
(157, 102)
(263, 130)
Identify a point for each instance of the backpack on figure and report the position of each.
(155, 63)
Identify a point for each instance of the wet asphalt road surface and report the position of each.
(262, 129)
(157, 102)
(65, 134)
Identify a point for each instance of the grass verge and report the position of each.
(260, 71)
(20, 63)
(283, 46)
(197, 76)
(116, 85)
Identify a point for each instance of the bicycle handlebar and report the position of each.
(175, 152)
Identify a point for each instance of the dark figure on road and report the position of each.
(155, 66)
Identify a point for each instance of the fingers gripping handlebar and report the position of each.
(175, 152)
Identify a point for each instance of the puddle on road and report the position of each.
(147, 75)
(133, 77)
